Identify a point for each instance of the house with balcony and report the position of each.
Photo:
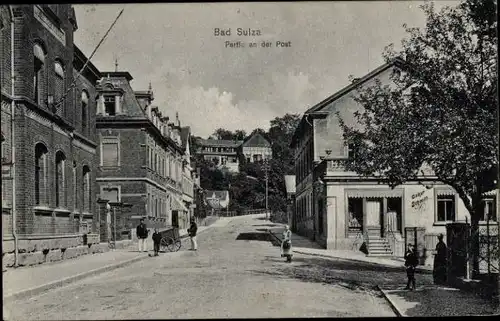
(223, 153)
(342, 210)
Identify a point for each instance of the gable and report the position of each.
(257, 140)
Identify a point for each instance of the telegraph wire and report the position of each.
(88, 61)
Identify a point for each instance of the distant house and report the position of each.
(256, 148)
(224, 153)
(217, 199)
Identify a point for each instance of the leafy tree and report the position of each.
(441, 111)
(280, 133)
(225, 134)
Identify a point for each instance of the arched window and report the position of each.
(86, 189)
(59, 87)
(40, 174)
(60, 179)
(85, 103)
(75, 191)
(38, 74)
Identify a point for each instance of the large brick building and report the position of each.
(48, 137)
(140, 157)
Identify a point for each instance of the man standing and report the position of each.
(192, 234)
(142, 235)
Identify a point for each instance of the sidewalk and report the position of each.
(32, 280)
(427, 300)
(305, 246)
(437, 301)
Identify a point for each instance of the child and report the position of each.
(156, 241)
(411, 263)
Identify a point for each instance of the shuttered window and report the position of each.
(110, 155)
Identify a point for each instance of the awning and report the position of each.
(177, 204)
(374, 193)
(445, 191)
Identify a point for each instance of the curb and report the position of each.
(391, 303)
(424, 271)
(60, 283)
(71, 279)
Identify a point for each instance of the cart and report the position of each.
(170, 240)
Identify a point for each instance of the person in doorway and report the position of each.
(440, 262)
(286, 244)
(192, 235)
(156, 242)
(411, 262)
(142, 235)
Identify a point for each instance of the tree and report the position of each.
(224, 134)
(441, 110)
(280, 133)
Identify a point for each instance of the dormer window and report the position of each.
(110, 105)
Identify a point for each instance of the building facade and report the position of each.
(256, 148)
(188, 175)
(342, 210)
(140, 157)
(49, 147)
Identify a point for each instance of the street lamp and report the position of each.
(290, 192)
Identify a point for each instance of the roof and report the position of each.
(256, 140)
(125, 74)
(316, 109)
(219, 143)
(185, 132)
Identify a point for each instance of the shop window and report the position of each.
(445, 208)
(355, 210)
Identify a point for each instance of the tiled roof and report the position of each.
(256, 140)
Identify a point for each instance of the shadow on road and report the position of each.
(268, 225)
(257, 236)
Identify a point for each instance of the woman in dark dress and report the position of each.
(440, 262)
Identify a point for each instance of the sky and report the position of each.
(211, 85)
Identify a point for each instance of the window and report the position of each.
(85, 103)
(59, 87)
(445, 208)
(110, 156)
(352, 151)
(75, 192)
(59, 180)
(86, 189)
(38, 74)
(109, 106)
(40, 174)
(257, 158)
(489, 206)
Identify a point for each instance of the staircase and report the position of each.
(378, 246)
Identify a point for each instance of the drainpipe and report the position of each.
(12, 133)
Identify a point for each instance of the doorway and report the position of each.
(374, 216)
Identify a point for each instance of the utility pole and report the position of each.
(227, 207)
(266, 169)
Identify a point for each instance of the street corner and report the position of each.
(436, 301)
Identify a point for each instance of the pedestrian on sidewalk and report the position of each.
(411, 262)
(142, 235)
(286, 244)
(440, 262)
(192, 235)
(156, 242)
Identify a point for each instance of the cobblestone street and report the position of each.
(236, 273)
